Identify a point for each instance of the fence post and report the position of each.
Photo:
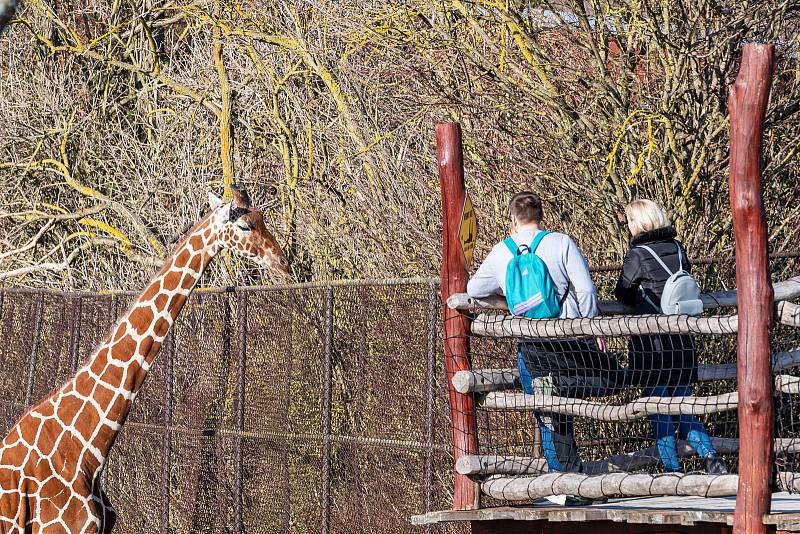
(287, 503)
(326, 411)
(37, 327)
(241, 324)
(456, 327)
(75, 334)
(166, 460)
(747, 104)
(430, 399)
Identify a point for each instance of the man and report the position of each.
(568, 368)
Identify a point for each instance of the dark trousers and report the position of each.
(574, 368)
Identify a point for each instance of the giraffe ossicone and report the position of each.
(51, 460)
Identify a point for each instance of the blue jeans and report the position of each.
(688, 426)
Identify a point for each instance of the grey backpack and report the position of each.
(681, 294)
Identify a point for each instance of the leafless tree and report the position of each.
(119, 116)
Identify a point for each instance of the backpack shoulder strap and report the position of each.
(537, 240)
(658, 259)
(680, 257)
(563, 299)
(512, 245)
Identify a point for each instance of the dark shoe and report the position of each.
(569, 500)
(715, 466)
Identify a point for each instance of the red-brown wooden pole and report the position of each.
(747, 104)
(456, 327)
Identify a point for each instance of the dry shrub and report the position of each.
(118, 117)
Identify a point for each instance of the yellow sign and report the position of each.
(468, 230)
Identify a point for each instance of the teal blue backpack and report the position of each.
(530, 291)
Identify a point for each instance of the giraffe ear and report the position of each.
(213, 200)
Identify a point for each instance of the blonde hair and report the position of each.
(645, 215)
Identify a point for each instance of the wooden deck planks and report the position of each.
(785, 513)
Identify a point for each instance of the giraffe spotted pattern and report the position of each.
(51, 460)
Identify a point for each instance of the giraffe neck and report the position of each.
(110, 380)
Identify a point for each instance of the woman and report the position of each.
(664, 365)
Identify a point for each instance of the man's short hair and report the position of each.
(526, 207)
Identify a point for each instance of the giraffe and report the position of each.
(51, 461)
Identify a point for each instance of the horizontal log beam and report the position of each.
(491, 464)
(486, 380)
(788, 313)
(631, 411)
(487, 465)
(609, 485)
(786, 290)
(787, 384)
(498, 325)
(622, 485)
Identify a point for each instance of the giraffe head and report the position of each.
(240, 228)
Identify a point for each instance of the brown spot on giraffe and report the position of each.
(123, 347)
(104, 396)
(89, 414)
(152, 290)
(187, 282)
(49, 513)
(161, 327)
(68, 409)
(171, 282)
(28, 433)
(57, 428)
(161, 302)
(196, 242)
(183, 258)
(121, 331)
(84, 384)
(98, 364)
(141, 320)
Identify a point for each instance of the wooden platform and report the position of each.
(686, 511)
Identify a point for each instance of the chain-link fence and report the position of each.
(304, 409)
(324, 408)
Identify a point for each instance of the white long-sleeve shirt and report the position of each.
(564, 261)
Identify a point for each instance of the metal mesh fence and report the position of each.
(324, 408)
(310, 409)
(555, 414)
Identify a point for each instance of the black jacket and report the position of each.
(658, 360)
(641, 270)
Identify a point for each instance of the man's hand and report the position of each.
(601, 343)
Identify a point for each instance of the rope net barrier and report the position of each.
(621, 405)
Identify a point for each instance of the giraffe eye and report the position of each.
(244, 227)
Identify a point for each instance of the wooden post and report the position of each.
(456, 327)
(747, 105)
